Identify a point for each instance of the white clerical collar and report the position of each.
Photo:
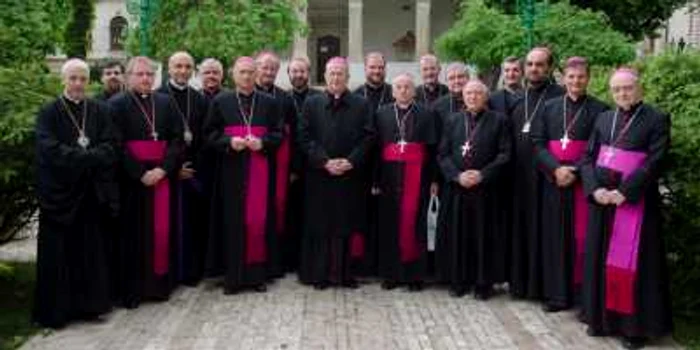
(177, 86)
(67, 97)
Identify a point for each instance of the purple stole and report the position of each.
(412, 157)
(282, 180)
(153, 152)
(623, 249)
(255, 201)
(574, 152)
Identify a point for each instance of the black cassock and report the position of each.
(427, 95)
(376, 96)
(243, 239)
(564, 220)
(78, 198)
(625, 285)
(295, 201)
(335, 222)
(469, 225)
(525, 257)
(445, 106)
(504, 101)
(403, 176)
(148, 217)
(190, 238)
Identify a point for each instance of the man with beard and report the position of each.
(504, 100)
(474, 150)
(112, 80)
(375, 89)
(335, 133)
(525, 280)
(77, 196)
(560, 137)
(406, 172)
(298, 71)
(267, 67)
(191, 108)
(150, 139)
(211, 72)
(245, 128)
(432, 89)
(457, 77)
(625, 281)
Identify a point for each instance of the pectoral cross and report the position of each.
(608, 156)
(565, 141)
(467, 148)
(154, 135)
(402, 145)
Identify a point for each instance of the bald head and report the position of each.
(625, 89)
(429, 69)
(75, 74)
(180, 68)
(538, 65)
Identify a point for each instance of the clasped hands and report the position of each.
(608, 197)
(338, 166)
(152, 177)
(470, 178)
(241, 143)
(564, 176)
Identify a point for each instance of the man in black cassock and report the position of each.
(190, 107)
(245, 128)
(404, 177)
(78, 199)
(298, 71)
(505, 99)
(474, 149)
(431, 89)
(150, 137)
(560, 137)
(525, 257)
(211, 72)
(335, 132)
(286, 164)
(112, 80)
(457, 76)
(625, 282)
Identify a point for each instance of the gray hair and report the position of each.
(211, 62)
(458, 66)
(403, 76)
(477, 82)
(75, 63)
(180, 54)
(136, 60)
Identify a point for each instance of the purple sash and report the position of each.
(257, 182)
(621, 261)
(573, 153)
(412, 157)
(148, 151)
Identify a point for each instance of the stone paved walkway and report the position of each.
(291, 316)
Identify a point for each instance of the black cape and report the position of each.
(334, 205)
(525, 278)
(138, 279)
(191, 232)
(227, 249)
(428, 95)
(469, 225)
(390, 177)
(77, 196)
(558, 236)
(649, 133)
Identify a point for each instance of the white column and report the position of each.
(422, 27)
(301, 40)
(355, 38)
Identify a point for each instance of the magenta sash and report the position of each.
(282, 180)
(149, 151)
(572, 154)
(412, 157)
(255, 212)
(621, 261)
(357, 245)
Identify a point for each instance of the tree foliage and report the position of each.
(223, 29)
(78, 29)
(485, 35)
(635, 18)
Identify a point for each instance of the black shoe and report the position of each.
(350, 284)
(389, 285)
(260, 288)
(321, 285)
(581, 317)
(553, 307)
(458, 292)
(131, 303)
(415, 286)
(633, 342)
(231, 290)
(483, 293)
(594, 332)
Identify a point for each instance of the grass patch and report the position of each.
(16, 297)
(687, 333)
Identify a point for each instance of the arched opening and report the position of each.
(118, 27)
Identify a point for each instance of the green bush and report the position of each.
(22, 92)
